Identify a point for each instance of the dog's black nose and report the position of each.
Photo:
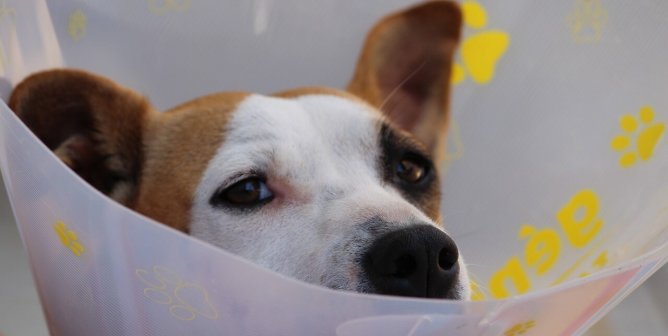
(419, 261)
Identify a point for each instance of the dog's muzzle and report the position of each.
(419, 261)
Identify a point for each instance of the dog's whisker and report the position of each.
(469, 265)
(478, 282)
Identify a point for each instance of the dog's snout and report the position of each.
(419, 261)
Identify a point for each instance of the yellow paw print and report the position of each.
(646, 138)
(481, 51)
(587, 21)
(520, 328)
(76, 25)
(598, 263)
(69, 238)
(186, 300)
(160, 7)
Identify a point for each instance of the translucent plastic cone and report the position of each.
(554, 178)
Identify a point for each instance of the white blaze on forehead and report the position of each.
(298, 139)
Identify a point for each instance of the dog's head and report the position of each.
(337, 188)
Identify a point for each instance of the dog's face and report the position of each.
(306, 186)
(336, 188)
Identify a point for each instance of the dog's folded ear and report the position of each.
(404, 68)
(90, 123)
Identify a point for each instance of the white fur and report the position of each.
(320, 154)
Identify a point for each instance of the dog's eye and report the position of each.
(412, 169)
(249, 192)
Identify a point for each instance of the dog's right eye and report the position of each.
(247, 193)
(413, 169)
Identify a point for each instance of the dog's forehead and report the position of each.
(305, 116)
(320, 123)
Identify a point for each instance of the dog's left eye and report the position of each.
(412, 169)
(249, 192)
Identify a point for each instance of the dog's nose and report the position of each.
(419, 261)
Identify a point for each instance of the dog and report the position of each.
(332, 187)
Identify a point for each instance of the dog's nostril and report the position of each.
(404, 266)
(447, 258)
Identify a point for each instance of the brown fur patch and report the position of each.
(179, 145)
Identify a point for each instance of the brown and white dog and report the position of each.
(336, 188)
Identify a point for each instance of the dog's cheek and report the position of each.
(284, 241)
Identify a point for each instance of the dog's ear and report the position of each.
(92, 124)
(404, 68)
